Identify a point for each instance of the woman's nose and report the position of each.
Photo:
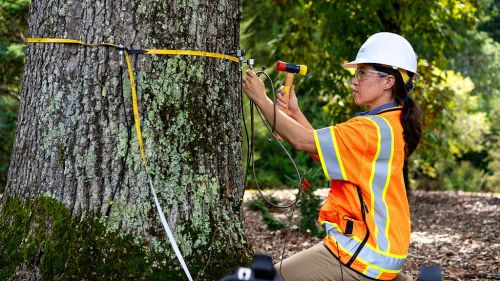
(354, 81)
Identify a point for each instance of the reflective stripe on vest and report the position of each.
(379, 180)
(330, 153)
(376, 262)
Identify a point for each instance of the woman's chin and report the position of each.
(357, 101)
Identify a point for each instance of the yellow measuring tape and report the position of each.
(137, 121)
(145, 51)
(136, 113)
(190, 53)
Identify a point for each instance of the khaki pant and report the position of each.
(318, 264)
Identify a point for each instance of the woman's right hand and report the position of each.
(293, 104)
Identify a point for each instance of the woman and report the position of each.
(366, 214)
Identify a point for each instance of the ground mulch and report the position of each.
(457, 230)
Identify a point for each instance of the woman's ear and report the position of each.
(389, 82)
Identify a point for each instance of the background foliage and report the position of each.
(458, 49)
(457, 43)
(13, 28)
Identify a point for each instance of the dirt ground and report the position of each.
(457, 230)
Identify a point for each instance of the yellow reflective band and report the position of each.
(358, 258)
(378, 184)
(365, 272)
(336, 226)
(404, 75)
(372, 176)
(341, 165)
(320, 154)
(384, 193)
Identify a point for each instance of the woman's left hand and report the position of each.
(253, 86)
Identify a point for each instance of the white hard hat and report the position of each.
(387, 48)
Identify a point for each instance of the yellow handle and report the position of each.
(286, 91)
(286, 96)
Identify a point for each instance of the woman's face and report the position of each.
(369, 88)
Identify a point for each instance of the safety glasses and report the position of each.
(361, 74)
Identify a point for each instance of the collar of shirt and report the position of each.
(378, 109)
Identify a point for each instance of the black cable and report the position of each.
(272, 130)
(294, 207)
(246, 136)
(250, 157)
(129, 136)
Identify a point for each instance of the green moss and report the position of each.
(42, 233)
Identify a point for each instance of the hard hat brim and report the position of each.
(352, 64)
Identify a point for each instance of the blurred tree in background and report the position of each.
(13, 28)
(457, 44)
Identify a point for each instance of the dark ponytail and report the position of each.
(411, 116)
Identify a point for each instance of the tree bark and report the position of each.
(76, 145)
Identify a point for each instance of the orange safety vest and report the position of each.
(366, 214)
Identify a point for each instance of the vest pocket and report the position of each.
(351, 226)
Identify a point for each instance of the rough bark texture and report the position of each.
(75, 141)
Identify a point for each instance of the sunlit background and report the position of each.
(458, 47)
(457, 43)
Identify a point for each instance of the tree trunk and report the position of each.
(76, 146)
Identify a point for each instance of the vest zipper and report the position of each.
(363, 211)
